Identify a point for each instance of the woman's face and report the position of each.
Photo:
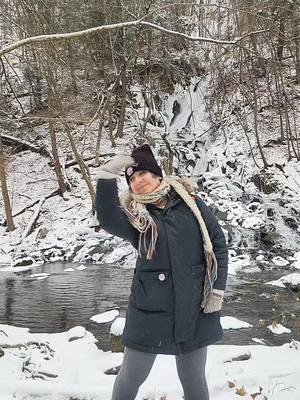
(142, 182)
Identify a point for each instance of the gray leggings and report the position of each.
(137, 365)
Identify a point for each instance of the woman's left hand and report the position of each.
(215, 301)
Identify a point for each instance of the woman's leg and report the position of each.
(191, 372)
(135, 368)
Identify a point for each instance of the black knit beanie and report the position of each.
(145, 160)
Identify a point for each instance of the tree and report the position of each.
(4, 189)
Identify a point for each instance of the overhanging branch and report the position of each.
(139, 22)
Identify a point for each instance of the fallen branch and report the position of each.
(27, 344)
(71, 163)
(55, 193)
(11, 140)
(34, 218)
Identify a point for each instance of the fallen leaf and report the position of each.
(241, 391)
(231, 384)
(274, 324)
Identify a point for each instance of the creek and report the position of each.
(67, 299)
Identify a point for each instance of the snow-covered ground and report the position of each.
(69, 365)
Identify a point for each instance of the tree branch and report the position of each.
(139, 22)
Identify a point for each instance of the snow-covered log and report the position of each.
(24, 145)
(34, 218)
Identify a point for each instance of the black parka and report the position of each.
(164, 314)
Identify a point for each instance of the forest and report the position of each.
(213, 87)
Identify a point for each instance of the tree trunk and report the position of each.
(123, 80)
(51, 106)
(5, 195)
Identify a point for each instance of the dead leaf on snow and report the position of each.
(231, 384)
(241, 391)
(274, 324)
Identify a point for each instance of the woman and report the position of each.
(180, 273)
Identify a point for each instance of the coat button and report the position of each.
(161, 277)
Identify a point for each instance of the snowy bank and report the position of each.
(69, 364)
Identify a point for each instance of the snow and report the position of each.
(296, 264)
(278, 329)
(117, 254)
(117, 326)
(5, 259)
(69, 270)
(237, 263)
(105, 317)
(293, 278)
(233, 323)
(259, 341)
(75, 333)
(253, 222)
(41, 275)
(81, 267)
(280, 261)
(75, 369)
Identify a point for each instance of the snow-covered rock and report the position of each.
(278, 329)
(105, 317)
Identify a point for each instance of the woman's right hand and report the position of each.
(114, 167)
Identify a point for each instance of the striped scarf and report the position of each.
(141, 219)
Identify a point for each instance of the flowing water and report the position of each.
(67, 299)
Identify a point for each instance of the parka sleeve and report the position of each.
(110, 214)
(218, 241)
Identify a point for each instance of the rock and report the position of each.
(113, 370)
(116, 331)
(255, 206)
(264, 182)
(220, 214)
(23, 262)
(78, 332)
(1, 352)
(294, 287)
(116, 345)
(268, 235)
(42, 233)
(291, 222)
(270, 212)
(241, 357)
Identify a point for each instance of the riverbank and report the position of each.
(69, 365)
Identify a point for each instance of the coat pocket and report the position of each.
(198, 275)
(152, 291)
